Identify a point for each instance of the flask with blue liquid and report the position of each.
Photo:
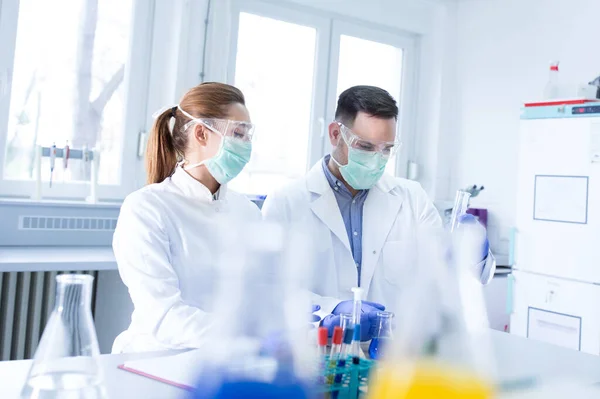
(383, 335)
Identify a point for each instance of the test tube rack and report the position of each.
(87, 155)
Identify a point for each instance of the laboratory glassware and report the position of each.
(461, 203)
(382, 336)
(66, 364)
(441, 342)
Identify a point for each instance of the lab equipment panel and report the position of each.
(558, 198)
(556, 311)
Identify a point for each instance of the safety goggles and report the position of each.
(385, 148)
(243, 131)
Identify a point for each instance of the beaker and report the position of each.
(65, 364)
(461, 203)
(383, 335)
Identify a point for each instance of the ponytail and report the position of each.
(207, 100)
(161, 157)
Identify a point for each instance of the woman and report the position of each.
(169, 233)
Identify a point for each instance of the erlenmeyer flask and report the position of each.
(65, 364)
(383, 335)
(440, 348)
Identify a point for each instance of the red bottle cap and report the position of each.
(323, 331)
(337, 335)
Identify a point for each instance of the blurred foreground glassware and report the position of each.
(65, 364)
(461, 203)
(441, 345)
(260, 344)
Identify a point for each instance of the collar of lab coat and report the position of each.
(379, 214)
(191, 187)
(324, 201)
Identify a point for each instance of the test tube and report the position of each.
(356, 313)
(341, 364)
(334, 355)
(461, 203)
(322, 342)
(346, 321)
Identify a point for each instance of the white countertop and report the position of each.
(29, 259)
(518, 360)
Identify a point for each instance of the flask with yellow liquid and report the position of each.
(441, 348)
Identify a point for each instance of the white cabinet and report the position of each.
(558, 187)
(558, 311)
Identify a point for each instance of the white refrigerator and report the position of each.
(554, 290)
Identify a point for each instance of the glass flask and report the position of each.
(383, 335)
(441, 346)
(65, 364)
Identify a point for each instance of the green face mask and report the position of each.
(229, 161)
(364, 168)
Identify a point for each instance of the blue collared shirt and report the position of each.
(351, 209)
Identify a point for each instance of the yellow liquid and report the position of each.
(427, 380)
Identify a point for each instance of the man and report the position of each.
(359, 217)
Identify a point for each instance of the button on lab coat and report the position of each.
(394, 209)
(166, 244)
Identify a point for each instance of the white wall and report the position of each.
(502, 55)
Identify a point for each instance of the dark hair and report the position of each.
(207, 100)
(368, 99)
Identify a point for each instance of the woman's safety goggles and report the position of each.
(225, 127)
(385, 148)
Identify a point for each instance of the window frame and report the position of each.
(330, 26)
(136, 80)
(408, 91)
(322, 26)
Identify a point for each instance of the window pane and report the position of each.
(365, 62)
(68, 85)
(274, 69)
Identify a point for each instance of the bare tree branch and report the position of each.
(109, 89)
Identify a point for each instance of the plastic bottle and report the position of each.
(551, 88)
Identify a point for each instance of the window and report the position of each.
(70, 83)
(275, 69)
(371, 57)
(292, 66)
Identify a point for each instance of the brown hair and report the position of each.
(207, 100)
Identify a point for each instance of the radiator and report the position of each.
(26, 302)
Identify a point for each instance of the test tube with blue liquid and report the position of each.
(383, 335)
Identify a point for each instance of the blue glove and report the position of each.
(368, 318)
(467, 218)
(315, 318)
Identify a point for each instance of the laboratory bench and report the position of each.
(519, 361)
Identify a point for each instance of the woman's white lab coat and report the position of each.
(166, 244)
(393, 211)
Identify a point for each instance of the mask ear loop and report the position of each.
(219, 151)
(345, 141)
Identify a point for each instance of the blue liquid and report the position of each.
(377, 347)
